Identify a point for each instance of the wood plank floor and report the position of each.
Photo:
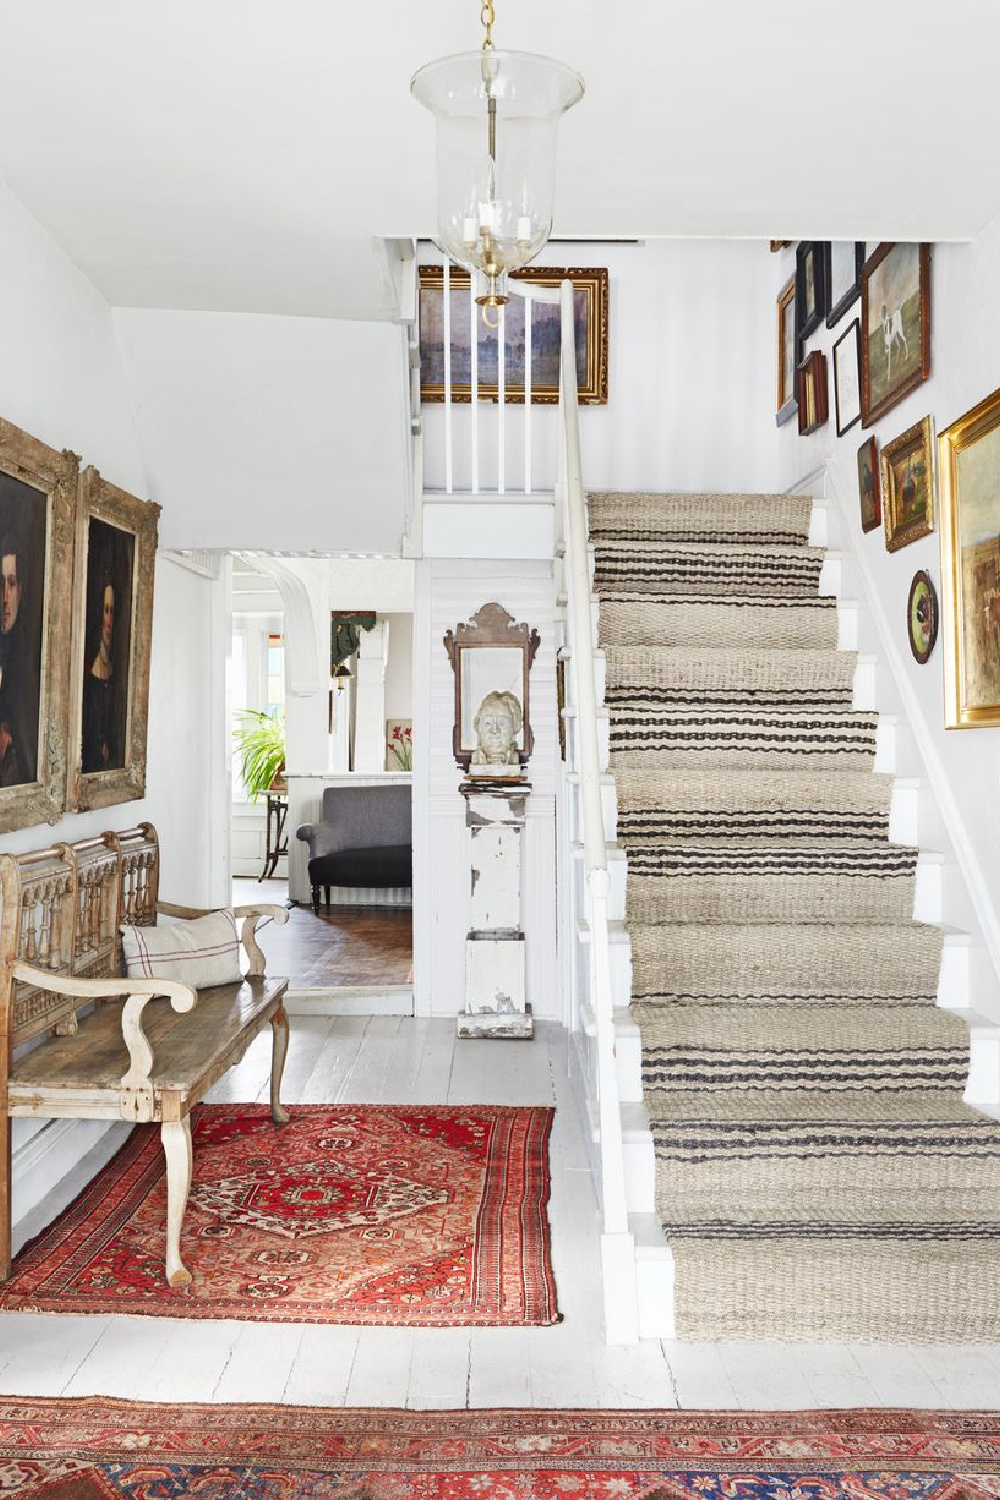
(403, 1060)
(361, 945)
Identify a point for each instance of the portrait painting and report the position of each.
(970, 565)
(590, 304)
(23, 527)
(895, 321)
(112, 639)
(107, 653)
(37, 510)
(869, 488)
(908, 486)
(810, 287)
(786, 352)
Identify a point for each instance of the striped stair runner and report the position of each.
(818, 1174)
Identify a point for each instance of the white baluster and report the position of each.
(473, 390)
(449, 455)
(501, 395)
(527, 395)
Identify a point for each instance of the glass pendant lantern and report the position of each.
(497, 115)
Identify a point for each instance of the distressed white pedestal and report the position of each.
(495, 1003)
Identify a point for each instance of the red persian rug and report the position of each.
(97, 1449)
(349, 1214)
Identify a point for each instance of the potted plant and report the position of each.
(260, 744)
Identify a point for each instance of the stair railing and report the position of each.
(617, 1248)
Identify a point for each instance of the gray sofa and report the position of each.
(362, 839)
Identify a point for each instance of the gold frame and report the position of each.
(54, 474)
(897, 534)
(97, 497)
(785, 308)
(594, 386)
(964, 433)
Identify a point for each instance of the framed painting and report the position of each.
(112, 638)
(969, 462)
(922, 617)
(590, 301)
(869, 487)
(813, 393)
(37, 512)
(895, 326)
(844, 262)
(810, 287)
(847, 378)
(908, 486)
(399, 744)
(786, 353)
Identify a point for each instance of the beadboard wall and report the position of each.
(448, 592)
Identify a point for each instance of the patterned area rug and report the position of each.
(410, 1215)
(818, 1172)
(98, 1449)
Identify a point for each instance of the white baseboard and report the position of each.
(351, 1000)
(50, 1160)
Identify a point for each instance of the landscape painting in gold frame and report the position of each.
(969, 464)
(908, 486)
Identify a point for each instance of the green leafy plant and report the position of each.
(260, 744)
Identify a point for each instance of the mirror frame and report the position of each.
(491, 627)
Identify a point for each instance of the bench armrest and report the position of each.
(252, 916)
(138, 994)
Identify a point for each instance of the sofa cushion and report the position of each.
(389, 865)
(201, 952)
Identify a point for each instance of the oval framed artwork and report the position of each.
(922, 616)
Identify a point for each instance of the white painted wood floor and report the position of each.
(401, 1060)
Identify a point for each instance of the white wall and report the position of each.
(279, 433)
(399, 667)
(61, 379)
(447, 593)
(689, 384)
(965, 367)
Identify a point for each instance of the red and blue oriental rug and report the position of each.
(349, 1214)
(97, 1449)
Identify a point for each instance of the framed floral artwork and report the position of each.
(907, 465)
(399, 744)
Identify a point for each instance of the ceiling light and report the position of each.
(497, 116)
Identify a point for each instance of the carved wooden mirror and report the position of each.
(490, 654)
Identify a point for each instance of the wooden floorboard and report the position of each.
(347, 945)
(395, 1059)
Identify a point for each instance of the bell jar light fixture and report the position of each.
(497, 116)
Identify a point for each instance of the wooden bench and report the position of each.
(148, 1049)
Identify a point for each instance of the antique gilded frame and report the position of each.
(965, 433)
(54, 475)
(593, 386)
(785, 408)
(918, 439)
(492, 629)
(872, 410)
(100, 500)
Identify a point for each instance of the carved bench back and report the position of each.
(62, 909)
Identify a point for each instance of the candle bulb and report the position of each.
(524, 229)
(469, 231)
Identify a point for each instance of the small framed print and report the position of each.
(847, 378)
(844, 262)
(907, 465)
(922, 616)
(895, 326)
(810, 287)
(869, 488)
(786, 354)
(813, 393)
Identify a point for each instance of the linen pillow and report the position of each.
(201, 952)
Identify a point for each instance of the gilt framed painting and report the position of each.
(590, 306)
(969, 464)
(813, 392)
(786, 350)
(895, 326)
(112, 639)
(37, 510)
(908, 486)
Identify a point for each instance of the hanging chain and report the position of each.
(487, 17)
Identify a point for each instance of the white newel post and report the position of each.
(369, 723)
(495, 1003)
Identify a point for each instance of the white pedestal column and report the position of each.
(495, 1002)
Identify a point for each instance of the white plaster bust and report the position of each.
(497, 723)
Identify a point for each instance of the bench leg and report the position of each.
(279, 1046)
(176, 1138)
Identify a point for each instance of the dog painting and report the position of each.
(896, 326)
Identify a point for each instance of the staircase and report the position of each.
(793, 1043)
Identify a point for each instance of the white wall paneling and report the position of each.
(448, 592)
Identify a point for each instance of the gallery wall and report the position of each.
(965, 367)
(689, 404)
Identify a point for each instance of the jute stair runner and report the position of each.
(818, 1174)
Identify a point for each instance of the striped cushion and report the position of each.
(201, 952)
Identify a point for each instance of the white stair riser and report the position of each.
(886, 745)
(819, 525)
(831, 577)
(863, 697)
(953, 979)
(847, 626)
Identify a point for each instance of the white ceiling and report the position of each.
(241, 155)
